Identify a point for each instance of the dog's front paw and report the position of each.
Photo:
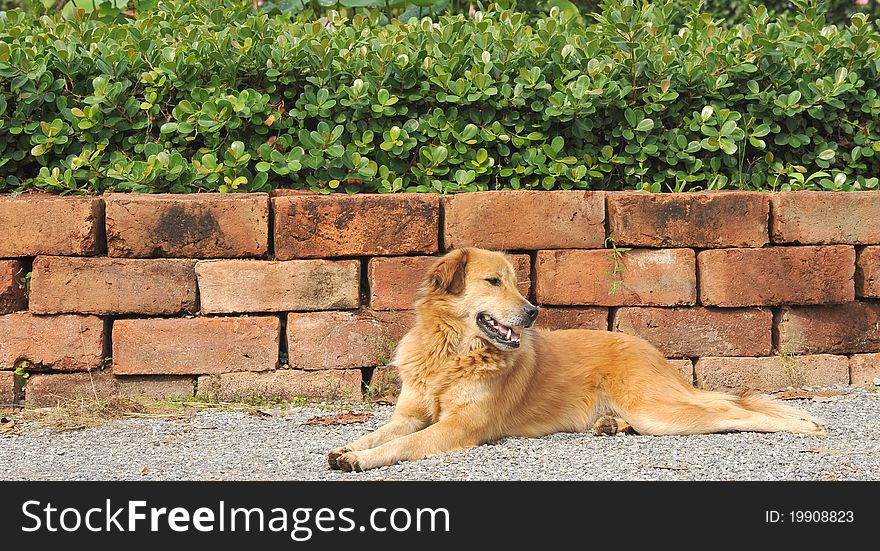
(334, 455)
(349, 462)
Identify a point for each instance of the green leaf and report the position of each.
(646, 125)
(728, 128)
(727, 146)
(707, 113)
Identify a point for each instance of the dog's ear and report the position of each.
(447, 274)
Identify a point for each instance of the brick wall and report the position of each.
(295, 294)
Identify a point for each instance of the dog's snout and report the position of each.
(531, 312)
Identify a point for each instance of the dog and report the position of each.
(474, 369)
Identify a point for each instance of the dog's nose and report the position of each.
(531, 312)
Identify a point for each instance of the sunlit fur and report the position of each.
(460, 389)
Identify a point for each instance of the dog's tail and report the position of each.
(767, 405)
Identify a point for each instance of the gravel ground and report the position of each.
(231, 445)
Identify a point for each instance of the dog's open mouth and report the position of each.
(498, 331)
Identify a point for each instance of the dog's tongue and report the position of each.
(507, 332)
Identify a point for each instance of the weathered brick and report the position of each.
(315, 226)
(31, 225)
(7, 390)
(113, 286)
(61, 343)
(395, 281)
(395, 324)
(690, 332)
(283, 384)
(339, 340)
(12, 292)
(268, 286)
(684, 366)
(525, 220)
(821, 217)
(195, 346)
(830, 329)
(203, 225)
(52, 389)
(662, 277)
(575, 317)
(702, 220)
(771, 373)
(868, 272)
(777, 275)
(864, 369)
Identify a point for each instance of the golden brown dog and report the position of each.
(474, 370)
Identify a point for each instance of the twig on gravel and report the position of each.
(670, 467)
(836, 452)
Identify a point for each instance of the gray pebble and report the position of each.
(229, 445)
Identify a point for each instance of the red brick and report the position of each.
(662, 277)
(573, 318)
(522, 265)
(61, 343)
(702, 220)
(777, 275)
(770, 373)
(822, 217)
(113, 286)
(830, 329)
(52, 389)
(395, 324)
(31, 225)
(12, 292)
(685, 367)
(395, 281)
(314, 226)
(868, 272)
(195, 346)
(691, 332)
(864, 369)
(339, 340)
(7, 390)
(269, 286)
(283, 384)
(203, 225)
(525, 220)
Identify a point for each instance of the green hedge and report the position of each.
(191, 97)
(836, 11)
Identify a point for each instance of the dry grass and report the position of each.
(81, 413)
(90, 412)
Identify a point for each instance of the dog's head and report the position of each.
(479, 288)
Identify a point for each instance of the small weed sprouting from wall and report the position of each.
(616, 257)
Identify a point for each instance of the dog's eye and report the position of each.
(494, 281)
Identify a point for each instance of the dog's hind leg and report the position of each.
(609, 426)
(702, 412)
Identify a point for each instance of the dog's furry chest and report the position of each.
(445, 383)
